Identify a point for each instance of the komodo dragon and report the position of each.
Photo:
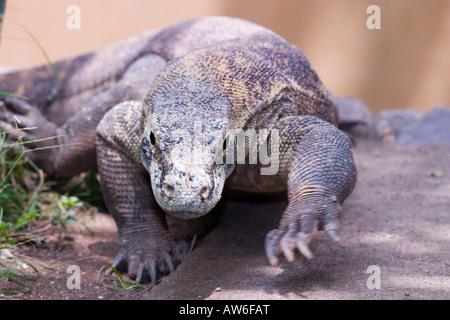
(123, 108)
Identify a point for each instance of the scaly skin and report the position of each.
(157, 153)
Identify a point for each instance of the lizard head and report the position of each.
(186, 121)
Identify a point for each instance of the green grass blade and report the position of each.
(121, 281)
(11, 169)
(49, 62)
(13, 95)
(2, 12)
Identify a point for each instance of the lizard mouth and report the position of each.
(186, 215)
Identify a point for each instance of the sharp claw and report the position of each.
(273, 262)
(169, 264)
(182, 254)
(117, 264)
(109, 272)
(287, 248)
(182, 250)
(152, 269)
(118, 260)
(140, 273)
(303, 247)
(271, 255)
(333, 235)
(271, 249)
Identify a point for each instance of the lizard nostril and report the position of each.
(169, 191)
(204, 193)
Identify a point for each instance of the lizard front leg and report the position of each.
(321, 175)
(146, 246)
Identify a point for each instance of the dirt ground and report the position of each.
(395, 223)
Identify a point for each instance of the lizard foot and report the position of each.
(21, 120)
(147, 259)
(297, 228)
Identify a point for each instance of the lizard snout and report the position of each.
(187, 196)
(200, 192)
(168, 190)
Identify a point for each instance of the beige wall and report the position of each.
(404, 64)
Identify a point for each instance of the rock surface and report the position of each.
(402, 127)
(432, 128)
(352, 110)
(409, 127)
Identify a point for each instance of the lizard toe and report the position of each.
(287, 245)
(271, 246)
(302, 241)
(119, 264)
(181, 250)
(279, 242)
(147, 263)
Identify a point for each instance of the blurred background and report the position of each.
(405, 64)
